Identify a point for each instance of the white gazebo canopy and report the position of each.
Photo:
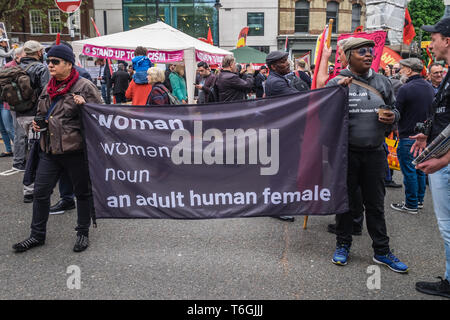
(159, 37)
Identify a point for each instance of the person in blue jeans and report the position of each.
(413, 108)
(7, 130)
(438, 169)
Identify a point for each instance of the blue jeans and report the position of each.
(6, 127)
(413, 179)
(106, 93)
(440, 191)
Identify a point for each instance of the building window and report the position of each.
(332, 13)
(356, 16)
(54, 21)
(35, 21)
(302, 16)
(255, 23)
(193, 17)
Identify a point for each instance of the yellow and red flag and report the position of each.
(242, 39)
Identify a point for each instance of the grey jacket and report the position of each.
(39, 76)
(365, 131)
(4, 54)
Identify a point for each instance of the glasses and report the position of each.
(363, 51)
(55, 62)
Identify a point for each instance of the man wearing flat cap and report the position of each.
(369, 92)
(277, 84)
(414, 100)
(438, 169)
(279, 67)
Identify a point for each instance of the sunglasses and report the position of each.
(55, 62)
(363, 51)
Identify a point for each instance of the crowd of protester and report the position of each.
(401, 93)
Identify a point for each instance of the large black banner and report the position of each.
(267, 157)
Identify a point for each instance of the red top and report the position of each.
(138, 93)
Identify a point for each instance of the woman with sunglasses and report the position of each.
(62, 146)
(369, 92)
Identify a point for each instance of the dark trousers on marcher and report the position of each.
(366, 170)
(120, 97)
(48, 173)
(66, 187)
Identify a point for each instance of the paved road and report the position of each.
(247, 258)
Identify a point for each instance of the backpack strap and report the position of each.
(30, 65)
(365, 85)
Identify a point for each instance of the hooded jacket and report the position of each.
(365, 131)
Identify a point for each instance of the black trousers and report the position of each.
(48, 173)
(120, 97)
(366, 170)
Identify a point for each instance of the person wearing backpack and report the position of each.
(62, 146)
(159, 95)
(39, 76)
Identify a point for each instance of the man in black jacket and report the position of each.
(277, 84)
(260, 80)
(205, 84)
(231, 87)
(120, 81)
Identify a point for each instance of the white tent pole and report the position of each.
(190, 68)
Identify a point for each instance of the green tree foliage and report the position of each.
(425, 12)
(18, 8)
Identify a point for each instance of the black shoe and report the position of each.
(332, 229)
(61, 206)
(28, 198)
(285, 218)
(441, 288)
(6, 154)
(392, 184)
(81, 244)
(27, 244)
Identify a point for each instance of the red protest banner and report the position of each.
(379, 37)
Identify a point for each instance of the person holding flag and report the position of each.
(371, 114)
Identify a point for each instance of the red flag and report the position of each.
(408, 30)
(359, 29)
(58, 39)
(209, 39)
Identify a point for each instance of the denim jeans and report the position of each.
(106, 93)
(413, 179)
(6, 127)
(440, 191)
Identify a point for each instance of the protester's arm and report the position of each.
(432, 165)
(245, 84)
(322, 73)
(419, 145)
(9, 54)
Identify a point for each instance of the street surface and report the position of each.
(231, 259)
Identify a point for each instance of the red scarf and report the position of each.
(55, 89)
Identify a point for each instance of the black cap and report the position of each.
(275, 56)
(442, 27)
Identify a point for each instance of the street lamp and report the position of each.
(218, 5)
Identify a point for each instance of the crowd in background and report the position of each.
(401, 91)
